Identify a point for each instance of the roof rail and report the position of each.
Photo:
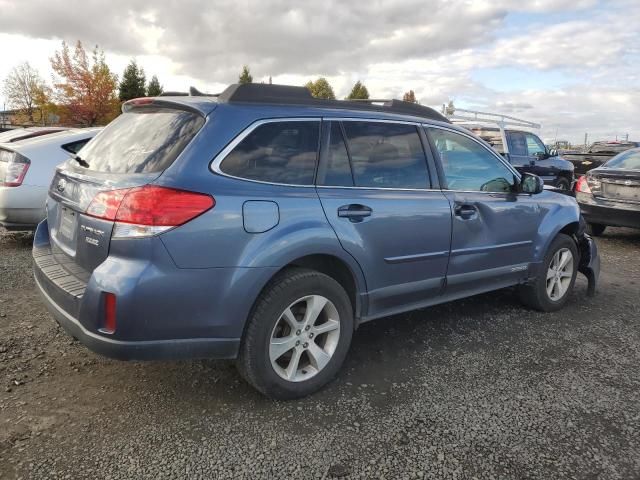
(294, 95)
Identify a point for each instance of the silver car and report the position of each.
(27, 166)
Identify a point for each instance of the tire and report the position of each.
(307, 366)
(536, 294)
(596, 229)
(563, 184)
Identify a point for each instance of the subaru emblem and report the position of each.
(62, 183)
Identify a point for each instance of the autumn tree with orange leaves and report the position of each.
(85, 88)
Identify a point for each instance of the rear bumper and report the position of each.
(162, 311)
(609, 213)
(22, 208)
(222, 348)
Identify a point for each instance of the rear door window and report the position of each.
(277, 152)
(517, 144)
(338, 168)
(142, 140)
(386, 155)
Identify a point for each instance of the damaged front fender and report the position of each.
(589, 264)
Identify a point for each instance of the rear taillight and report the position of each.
(582, 185)
(588, 184)
(13, 168)
(148, 210)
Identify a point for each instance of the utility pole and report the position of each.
(586, 135)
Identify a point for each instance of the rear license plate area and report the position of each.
(67, 227)
(622, 192)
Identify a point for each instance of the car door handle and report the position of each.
(354, 212)
(465, 211)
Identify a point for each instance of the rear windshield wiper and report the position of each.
(79, 159)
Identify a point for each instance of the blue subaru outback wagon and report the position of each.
(264, 225)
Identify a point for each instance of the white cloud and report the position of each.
(433, 47)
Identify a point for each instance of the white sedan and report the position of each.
(26, 169)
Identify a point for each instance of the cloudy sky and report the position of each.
(572, 65)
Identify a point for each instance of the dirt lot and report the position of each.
(475, 389)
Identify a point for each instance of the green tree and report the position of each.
(358, 92)
(245, 75)
(409, 96)
(133, 82)
(321, 89)
(154, 88)
(22, 88)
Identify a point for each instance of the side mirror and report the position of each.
(541, 155)
(553, 152)
(531, 183)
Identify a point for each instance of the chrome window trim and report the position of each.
(381, 188)
(486, 147)
(214, 165)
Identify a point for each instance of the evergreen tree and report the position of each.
(154, 88)
(133, 82)
(245, 75)
(321, 89)
(358, 92)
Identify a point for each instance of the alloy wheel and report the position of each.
(559, 274)
(304, 338)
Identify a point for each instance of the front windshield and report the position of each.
(629, 160)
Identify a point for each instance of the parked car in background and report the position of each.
(27, 165)
(265, 225)
(522, 148)
(610, 194)
(528, 154)
(17, 134)
(596, 155)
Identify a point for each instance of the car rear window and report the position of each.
(143, 140)
(629, 160)
(277, 152)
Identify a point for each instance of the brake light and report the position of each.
(137, 102)
(582, 185)
(13, 168)
(148, 210)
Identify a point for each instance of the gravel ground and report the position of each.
(480, 388)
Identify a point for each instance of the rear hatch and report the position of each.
(129, 153)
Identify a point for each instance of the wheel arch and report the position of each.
(347, 273)
(561, 218)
